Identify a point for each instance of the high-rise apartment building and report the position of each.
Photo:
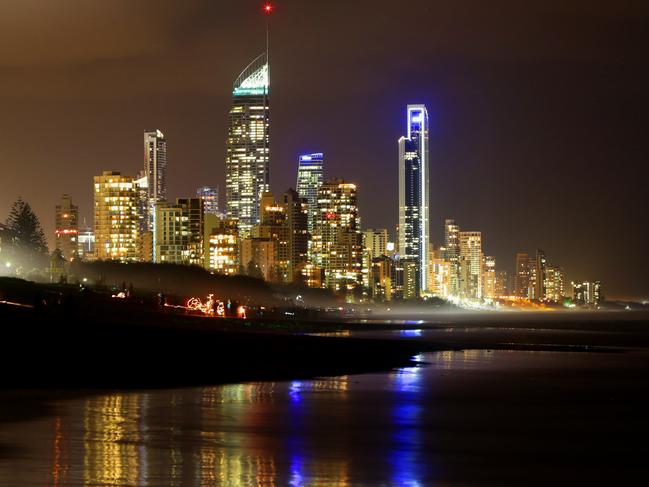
(380, 278)
(540, 276)
(67, 228)
(452, 255)
(522, 273)
(587, 293)
(266, 250)
(471, 265)
(248, 145)
(414, 194)
(310, 174)
(86, 241)
(375, 241)
(277, 247)
(554, 291)
(297, 215)
(411, 284)
(179, 232)
(210, 197)
(440, 283)
(224, 248)
(146, 232)
(155, 171)
(116, 218)
(337, 240)
(502, 287)
(489, 277)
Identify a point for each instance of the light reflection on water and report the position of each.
(261, 434)
(405, 458)
(404, 427)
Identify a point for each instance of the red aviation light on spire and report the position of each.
(268, 8)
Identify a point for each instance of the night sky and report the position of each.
(539, 109)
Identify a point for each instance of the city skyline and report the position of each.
(547, 210)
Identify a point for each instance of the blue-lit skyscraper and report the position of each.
(247, 163)
(414, 233)
(309, 180)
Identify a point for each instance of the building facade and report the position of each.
(116, 225)
(539, 277)
(297, 215)
(522, 272)
(86, 242)
(310, 175)
(471, 265)
(414, 193)
(337, 240)
(489, 277)
(375, 241)
(67, 228)
(155, 171)
(224, 248)
(502, 285)
(554, 291)
(179, 232)
(587, 293)
(210, 197)
(248, 145)
(452, 255)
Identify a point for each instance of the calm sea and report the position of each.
(458, 418)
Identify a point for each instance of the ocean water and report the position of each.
(457, 418)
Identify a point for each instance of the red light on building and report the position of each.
(268, 9)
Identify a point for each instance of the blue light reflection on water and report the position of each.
(294, 443)
(295, 390)
(410, 333)
(405, 455)
(297, 478)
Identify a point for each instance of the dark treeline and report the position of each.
(183, 281)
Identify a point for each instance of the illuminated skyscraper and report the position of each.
(439, 274)
(297, 222)
(554, 284)
(452, 254)
(210, 197)
(337, 240)
(502, 286)
(414, 194)
(266, 252)
(67, 228)
(179, 232)
(116, 218)
(310, 175)
(471, 265)
(224, 248)
(376, 242)
(248, 150)
(522, 275)
(489, 277)
(380, 278)
(155, 170)
(540, 276)
(587, 293)
(86, 242)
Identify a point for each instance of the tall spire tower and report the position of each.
(248, 145)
